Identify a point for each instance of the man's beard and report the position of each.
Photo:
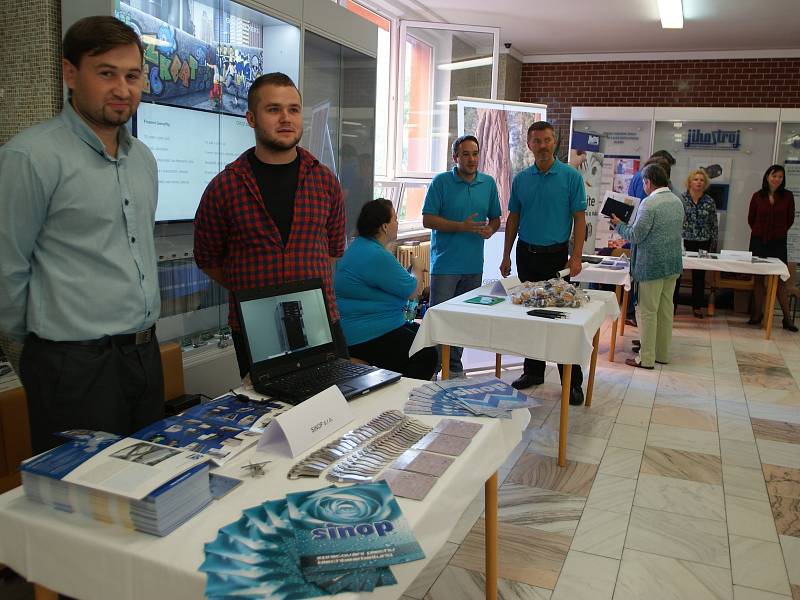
(275, 144)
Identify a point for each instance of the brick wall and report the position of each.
(30, 80)
(741, 82)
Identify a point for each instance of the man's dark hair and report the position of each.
(664, 154)
(373, 214)
(656, 175)
(96, 35)
(276, 79)
(765, 179)
(661, 162)
(464, 138)
(540, 126)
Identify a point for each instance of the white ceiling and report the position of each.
(552, 27)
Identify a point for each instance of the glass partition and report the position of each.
(439, 63)
(789, 157)
(339, 117)
(735, 156)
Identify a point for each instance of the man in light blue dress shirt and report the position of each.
(78, 276)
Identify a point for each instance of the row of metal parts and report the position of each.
(385, 437)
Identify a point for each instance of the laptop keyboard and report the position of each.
(315, 379)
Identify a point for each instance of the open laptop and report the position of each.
(290, 345)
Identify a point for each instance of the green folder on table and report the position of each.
(485, 300)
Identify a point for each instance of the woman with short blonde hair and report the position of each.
(700, 230)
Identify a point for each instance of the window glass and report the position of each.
(789, 157)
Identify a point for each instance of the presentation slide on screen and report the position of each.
(191, 147)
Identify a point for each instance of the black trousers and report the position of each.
(390, 351)
(539, 267)
(698, 276)
(118, 389)
(241, 349)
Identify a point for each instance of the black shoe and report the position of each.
(526, 380)
(576, 396)
(754, 321)
(789, 326)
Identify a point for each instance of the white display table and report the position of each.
(621, 278)
(772, 269)
(505, 328)
(80, 557)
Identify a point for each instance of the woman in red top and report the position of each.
(770, 217)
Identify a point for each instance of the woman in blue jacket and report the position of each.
(372, 289)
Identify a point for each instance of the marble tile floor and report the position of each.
(682, 482)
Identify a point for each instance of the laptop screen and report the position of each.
(284, 324)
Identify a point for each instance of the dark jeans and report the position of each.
(242, 355)
(390, 351)
(698, 276)
(445, 287)
(538, 267)
(118, 389)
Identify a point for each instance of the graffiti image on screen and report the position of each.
(501, 130)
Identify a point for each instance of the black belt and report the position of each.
(534, 249)
(123, 339)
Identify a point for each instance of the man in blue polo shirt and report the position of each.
(548, 202)
(463, 209)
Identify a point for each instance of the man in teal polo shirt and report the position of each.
(548, 202)
(463, 209)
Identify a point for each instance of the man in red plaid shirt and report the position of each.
(275, 214)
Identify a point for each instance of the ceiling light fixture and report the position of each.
(465, 64)
(671, 13)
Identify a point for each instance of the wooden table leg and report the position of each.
(711, 301)
(42, 593)
(769, 309)
(445, 361)
(612, 348)
(490, 524)
(592, 369)
(624, 313)
(498, 359)
(566, 378)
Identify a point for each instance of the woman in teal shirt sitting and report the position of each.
(372, 289)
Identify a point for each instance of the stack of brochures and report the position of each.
(139, 485)
(221, 428)
(311, 544)
(474, 397)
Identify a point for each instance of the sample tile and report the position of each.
(678, 536)
(644, 576)
(455, 582)
(680, 464)
(430, 573)
(782, 481)
(750, 518)
(758, 564)
(680, 496)
(740, 454)
(535, 470)
(612, 493)
(532, 559)
(779, 453)
(777, 431)
(744, 482)
(539, 508)
(601, 532)
(678, 416)
(681, 438)
(628, 436)
(621, 462)
(586, 577)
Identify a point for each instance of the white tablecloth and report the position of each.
(505, 328)
(773, 267)
(78, 556)
(595, 274)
